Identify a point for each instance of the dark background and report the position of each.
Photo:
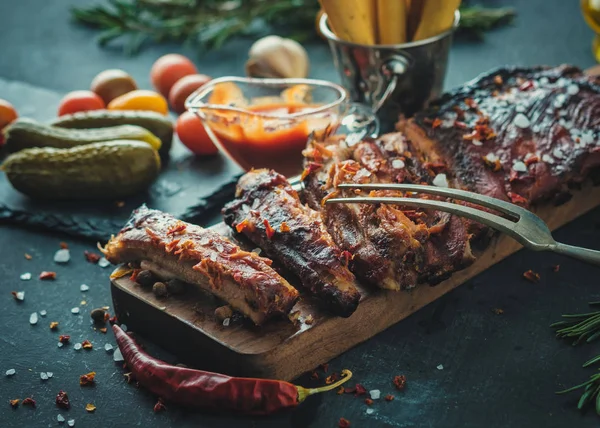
(498, 370)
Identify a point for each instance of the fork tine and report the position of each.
(484, 201)
(491, 220)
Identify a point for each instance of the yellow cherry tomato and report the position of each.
(140, 99)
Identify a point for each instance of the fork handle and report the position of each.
(579, 253)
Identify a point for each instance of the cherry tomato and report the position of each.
(168, 69)
(7, 114)
(184, 88)
(80, 101)
(140, 99)
(192, 134)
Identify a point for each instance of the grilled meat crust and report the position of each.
(297, 238)
(519, 134)
(204, 258)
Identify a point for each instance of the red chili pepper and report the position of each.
(196, 388)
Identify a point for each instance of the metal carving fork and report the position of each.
(522, 225)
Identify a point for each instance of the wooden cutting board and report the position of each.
(186, 326)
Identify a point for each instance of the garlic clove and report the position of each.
(274, 56)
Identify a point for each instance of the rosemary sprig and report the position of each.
(208, 24)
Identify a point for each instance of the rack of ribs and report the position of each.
(204, 258)
(269, 213)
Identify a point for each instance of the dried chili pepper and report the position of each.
(243, 225)
(360, 390)
(343, 423)
(64, 338)
(87, 379)
(284, 227)
(195, 388)
(64, 245)
(90, 408)
(399, 382)
(91, 257)
(62, 400)
(269, 230)
(389, 397)
(14, 403)
(159, 406)
(531, 276)
(86, 344)
(331, 378)
(340, 390)
(368, 401)
(47, 275)
(29, 402)
(53, 325)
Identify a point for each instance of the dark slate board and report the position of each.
(189, 187)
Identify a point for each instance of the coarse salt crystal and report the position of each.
(245, 208)
(544, 81)
(255, 203)
(204, 240)
(60, 419)
(521, 121)
(77, 346)
(10, 372)
(60, 344)
(572, 89)
(71, 422)
(49, 374)
(62, 256)
(226, 322)
(491, 157)
(476, 142)
(84, 287)
(43, 312)
(587, 137)
(520, 108)
(219, 247)
(103, 262)
(440, 180)
(559, 101)
(108, 347)
(257, 251)
(519, 166)
(43, 376)
(440, 367)
(362, 173)
(75, 311)
(26, 276)
(370, 411)
(557, 153)
(375, 394)
(20, 295)
(213, 257)
(33, 318)
(535, 128)
(398, 163)
(562, 82)
(124, 327)
(118, 356)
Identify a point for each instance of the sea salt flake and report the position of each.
(226, 322)
(219, 247)
(520, 108)
(560, 100)
(491, 157)
(398, 164)
(75, 310)
(587, 137)
(370, 411)
(476, 142)
(535, 128)
(43, 376)
(362, 173)
(519, 166)
(84, 287)
(26, 276)
(71, 422)
(204, 240)
(375, 394)
(60, 419)
(33, 318)
(440, 180)
(49, 374)
(77, 346)
(60, 344)
(255, 203)
(572, 89)
(257, 251)
(213, 257)
(440, 367)
(521, 121)
(43, 312)
(562, 82)
(103, 262)
(20, 295)
(10, 372)
(544, 81)
(108, 347)
(118, 356)
(245, 208)
(62, 256)
(124, 327)
(557, 153)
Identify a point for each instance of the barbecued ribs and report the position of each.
(268, 212)
(204, 258)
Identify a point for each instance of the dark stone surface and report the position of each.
(499, 370)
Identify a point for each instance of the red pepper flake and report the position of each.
(53, 325)
(526, 86)
(14, 403)
(324, 367)
(389, 397)
(62, 400)
(64, 245)
(310, 168)
(340, 390)
(106, 316)
(428, 120)
(531, 160)
(460, 125)
(113, 320)
(399, 382)
(87, 379)
(91, 257)
(284, 227)
(350, 390)
(498, 80)
(556, 268)
(270, 231)
(368, 401)
(437, 122)
(516, 198)
(90, 408)
(134, 275)
(498, 311)
(343, 423)
(86, 344)
(177, 230)
(243, 225)
(493, 165)
(531, 276)
(29, 402)
(471, 103)
(460, 113)
(331, 378)
(64, 338)
(360, 390)
(346, 256)
(159, 406)
(314, 375)
(102, 330)
(129, 376)
(48, 275)
(28, 256)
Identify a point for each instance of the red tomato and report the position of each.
(192, 134)
(80, 101)
(168, 69)
(7, 114)
(184, 88)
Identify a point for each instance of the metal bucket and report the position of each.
(393, 80)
